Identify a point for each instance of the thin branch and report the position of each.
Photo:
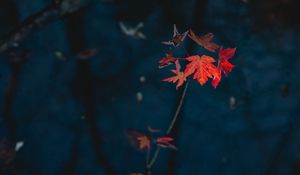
(178, 109)
(148, 172)
(153, 158)
(174, 119)
(148, 156)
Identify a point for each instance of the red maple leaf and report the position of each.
(204, 41)
(224, 55)
(164, 142)
(169, 59)
(202, 68)
(180, 78)
(223, 64)
(164, 139)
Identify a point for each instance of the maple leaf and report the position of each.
(180, 78)
(204, 41)
(144, 142)
(164, 142)
(202, 67)
(223, 64)
(177, 38)
(139, 140)
(169, 59)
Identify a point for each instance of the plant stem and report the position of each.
(147, 170)
(178, 109)
(148, 156)
(174, 119)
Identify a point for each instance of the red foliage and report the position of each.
(164, 142)
(169, 59)
(224, 55)
(144, 142)
(223, 64)
(180, 77)
(139, 140)
(202, 67)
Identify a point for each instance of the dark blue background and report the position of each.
(43, 99)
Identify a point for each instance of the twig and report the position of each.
(148, 156)
(174, 119)
(148, 172)
(178, 109)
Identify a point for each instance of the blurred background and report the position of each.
(76, 75)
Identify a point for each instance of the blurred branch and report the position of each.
(55, 10)
(85, 89)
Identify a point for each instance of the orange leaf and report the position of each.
(202, 67)
(180, 78)
(164, 139)
(139, 140)
(144, 142)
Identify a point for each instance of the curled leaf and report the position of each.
(177, 38)
(164, 142)
(204, 41)
(169, 59)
